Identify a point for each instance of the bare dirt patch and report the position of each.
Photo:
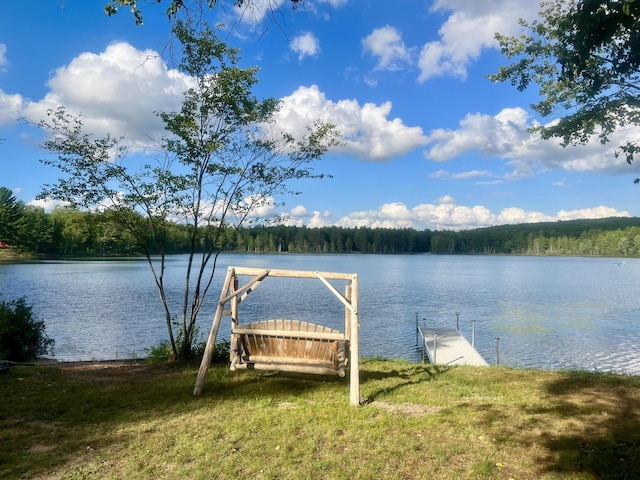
(114, 371)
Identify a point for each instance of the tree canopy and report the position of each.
(222, 160)
(70, 232)
(584, 56)
(174, 7)
(11, 210)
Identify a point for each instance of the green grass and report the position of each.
(136, 420)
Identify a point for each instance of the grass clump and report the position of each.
(139, 420)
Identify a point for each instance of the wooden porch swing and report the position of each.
(287, 345)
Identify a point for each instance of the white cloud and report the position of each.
(597, 212)
(254, 12)
(305, 45)
(439, 174)
(387, 46)
(372, 82)
(299, 217)
(471, 174)
(447, 215)
(469, 29)
(367, 131)
(48, 205)
(490, 182)
(257, 12)
(298, 211)
(506, 136)
(318, 219)
(262, 207)
(10, 107)
(447, 199)
(116, 91)
(503, 134)
(3, 57)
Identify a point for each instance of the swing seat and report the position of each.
(289, 346)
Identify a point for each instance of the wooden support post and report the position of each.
(354, 373)
(213, 333)
(234, 347)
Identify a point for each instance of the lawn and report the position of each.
(139, 420)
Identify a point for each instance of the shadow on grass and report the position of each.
(388, 377)
(562, 424)
(51, 416)
(601, 418)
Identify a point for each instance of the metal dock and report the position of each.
(447, 346)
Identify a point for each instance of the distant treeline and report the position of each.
(616, 236)
(71, 232)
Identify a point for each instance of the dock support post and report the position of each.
(424, 339)
(457, 321)
(417, 330)
(497, 351)
(473, 333)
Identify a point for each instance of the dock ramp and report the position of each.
(447, 346)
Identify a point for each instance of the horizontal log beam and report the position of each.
(293, 368)
(293, 334)
(293, 273)
(283, 360)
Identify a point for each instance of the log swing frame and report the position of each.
(287, 345)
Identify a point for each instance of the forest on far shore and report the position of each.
(69, 232)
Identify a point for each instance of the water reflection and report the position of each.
(548, 312)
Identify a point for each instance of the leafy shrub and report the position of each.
(22, 337)
(162, 352)
(220, 355)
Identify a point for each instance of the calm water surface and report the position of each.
(548, 312)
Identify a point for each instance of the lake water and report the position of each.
(548, 312)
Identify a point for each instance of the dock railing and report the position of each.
(448, 346)
(424, 324)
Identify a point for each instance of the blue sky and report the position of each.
(429, 141)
